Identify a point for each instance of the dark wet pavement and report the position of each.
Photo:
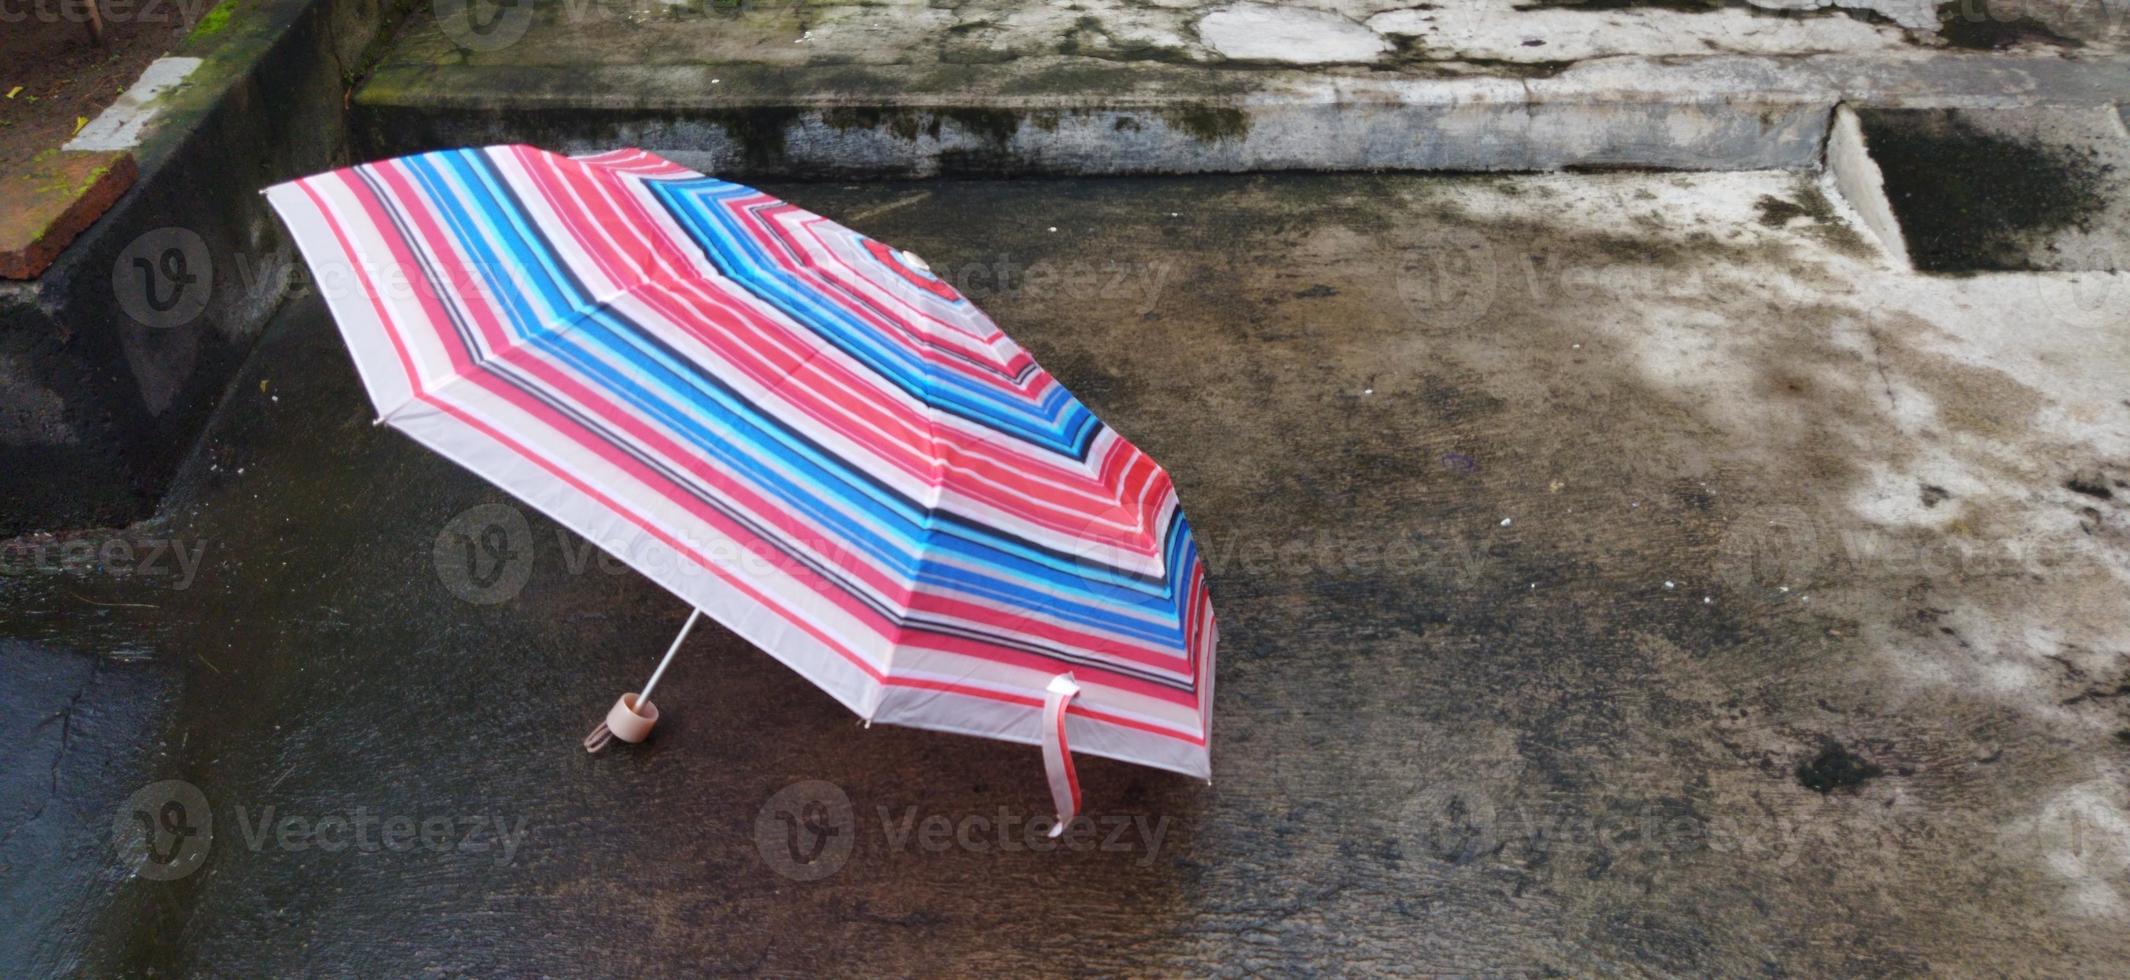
(1513, 676)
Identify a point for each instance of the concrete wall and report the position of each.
(1499, 128)
(102, 392)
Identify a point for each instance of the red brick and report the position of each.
(44, 205)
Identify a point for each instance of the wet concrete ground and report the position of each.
(1624, 573)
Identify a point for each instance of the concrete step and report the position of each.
(907, 89)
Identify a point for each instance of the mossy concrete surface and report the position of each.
(114, 356)
(1618, 574)
(1115, 86)
(1991, 190)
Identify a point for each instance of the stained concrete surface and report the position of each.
(79, 728)
(1624, 573)
(1339, 36)
(988, 87)
(1984, 190)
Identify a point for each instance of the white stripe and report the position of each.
(798, 595)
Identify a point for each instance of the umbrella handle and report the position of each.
(631, 717)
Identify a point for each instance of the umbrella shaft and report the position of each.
(670, 651)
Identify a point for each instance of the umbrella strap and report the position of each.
(1057, 755)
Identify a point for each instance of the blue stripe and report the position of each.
(550, 312)
(1058, 422)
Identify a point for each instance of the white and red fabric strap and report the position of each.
(1057, 755)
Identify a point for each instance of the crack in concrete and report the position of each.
(65, 717)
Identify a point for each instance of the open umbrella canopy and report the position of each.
(797, 429)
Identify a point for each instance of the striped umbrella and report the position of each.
(800, 431)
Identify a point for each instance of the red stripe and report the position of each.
(701, 560)
(918, 454)
(1091, 714)
(1137, 469)
(1072, 772)
(406, 362)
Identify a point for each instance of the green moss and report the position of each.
(389, 18)
(1077, 77)
(905, 123)
(996, 126)
(55, 183)
(1085, 32)
(1166, 54)
(1971, 24)
(1776, 212)
(1208, 123)
(90, 180)
(758, 132)
(969, 54)
(213, 21)
(1971, 200)
(1826, 225)
(1518, 69)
